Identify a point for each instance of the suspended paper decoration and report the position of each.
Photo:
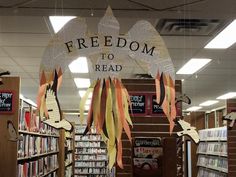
(183, 98)
(107, 53)
(50, 106)
(13, 136)
(231, 117)
(188, 130)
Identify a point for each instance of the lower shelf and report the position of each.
(223, 170)
(53, 170)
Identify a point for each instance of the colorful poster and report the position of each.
(147, 157)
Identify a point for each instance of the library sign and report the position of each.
(107, 42)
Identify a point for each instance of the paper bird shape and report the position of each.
(188, 130)
(183, 98)
(12, 132)
(230, 117)
(53, 110)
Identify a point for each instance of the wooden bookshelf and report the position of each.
(39, 145)
(66, 149)
(8, 149)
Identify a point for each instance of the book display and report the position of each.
(90, 154)
(38, 149)
(212, 152)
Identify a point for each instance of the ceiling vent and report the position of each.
(188, 27)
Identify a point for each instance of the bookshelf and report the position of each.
(38, 149)
(90, 154)
(67, 153)
(212, 152)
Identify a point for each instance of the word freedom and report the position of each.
(120, 42)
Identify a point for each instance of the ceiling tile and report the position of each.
(7, 61)
(29, 68)
(23, 24)
(28, 61)
(3, 53)
(18, 39)
(12, 68)
(36, 52)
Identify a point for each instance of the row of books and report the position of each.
(68, 158)
(91, 157)
(203, 172)
(217, 134)
(213, 148)
(90, 164)
(216, 163)
(80, 130)
(89, 150)
(38, 167)
(69, 171)
(28, 121)
(69, 144)
(35, 145)
(89, 144)
(88, 137)
(97, 171)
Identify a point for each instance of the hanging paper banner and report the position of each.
(107, 52)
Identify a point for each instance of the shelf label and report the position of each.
(6, 101)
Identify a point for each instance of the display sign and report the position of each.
(147, 142)
(138, 104)
(156, 109)
(6, 102)
(147, 154)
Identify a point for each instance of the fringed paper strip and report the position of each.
(165, 97)
(110, 115)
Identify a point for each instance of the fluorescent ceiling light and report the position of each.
(227, 96)
(82, 83)
(82, 93)
(224, 39)
(59, 21)
(193, 108)
(80, 65)
(208, 103)
(193, 65)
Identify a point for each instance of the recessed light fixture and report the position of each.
(224, 39)
(208, 103)
(82, 93)
(80, 65)
(193, 65)
(59, 21)
(193, 108)
(82, 82)
(227, 96)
